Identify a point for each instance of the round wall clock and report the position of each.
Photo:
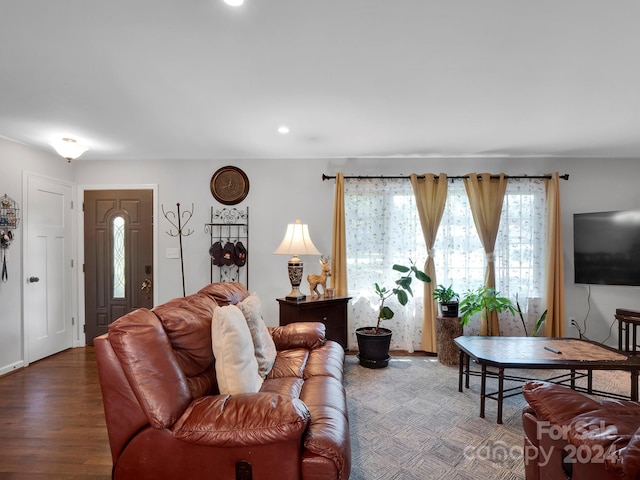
(229, 185)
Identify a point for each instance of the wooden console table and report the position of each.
(330, 311)
(540, 353)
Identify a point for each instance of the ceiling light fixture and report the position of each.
(69, 148)
(283, 129)
(234, 3)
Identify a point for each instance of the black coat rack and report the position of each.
(177, 217)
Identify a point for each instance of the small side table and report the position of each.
(447, 329)
(330, 311)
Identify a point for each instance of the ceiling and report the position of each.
(197, 79)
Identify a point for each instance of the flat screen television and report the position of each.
(606, 247)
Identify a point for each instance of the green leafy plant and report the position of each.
(402, 290)
(483, 300)
(538, 324)
(444, 294)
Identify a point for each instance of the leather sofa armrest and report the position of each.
(309, 335)
(630, 457)
(556, 403)
(247, 419)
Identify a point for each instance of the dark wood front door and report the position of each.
(118, 256)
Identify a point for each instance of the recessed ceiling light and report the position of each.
(283, 129)
(234, 3)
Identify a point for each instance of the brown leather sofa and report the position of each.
(569, 435)
(166, 419)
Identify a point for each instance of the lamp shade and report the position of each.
(297, 241)
(68, 148)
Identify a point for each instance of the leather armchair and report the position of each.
(569, 435)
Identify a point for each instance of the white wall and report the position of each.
(280, 191)
(283, 190)
(15, 159)
(597, 186)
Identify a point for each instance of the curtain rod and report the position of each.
(330, 177)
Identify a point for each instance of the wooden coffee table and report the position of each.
(580, 357)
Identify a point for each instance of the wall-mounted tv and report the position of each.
(606, 247)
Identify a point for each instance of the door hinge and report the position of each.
(73, 321)
(71, 204)
(83, 268)
(84, 328)
(72, 263)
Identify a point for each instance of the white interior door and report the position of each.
(47, 267)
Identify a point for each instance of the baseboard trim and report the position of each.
(12, 367)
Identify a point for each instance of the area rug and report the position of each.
(408, 421)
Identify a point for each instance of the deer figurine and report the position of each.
(315, 280)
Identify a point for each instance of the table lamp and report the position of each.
(296, 242)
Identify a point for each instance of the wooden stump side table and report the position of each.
(447, 329)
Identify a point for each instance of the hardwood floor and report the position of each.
(52, 421)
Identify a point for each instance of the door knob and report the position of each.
(146, 287)
(33, 279)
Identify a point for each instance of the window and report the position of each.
(118, 257)
(519, 251)
(383, 228)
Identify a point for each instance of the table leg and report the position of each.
(634, 385)
(467, 363)
(573, 379)
(483, 389)
(500, 393)
(589, 381)
(461, 371)
(619, 334)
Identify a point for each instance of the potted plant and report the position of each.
(536, 326)
(447, 300)
(483, 300)
(373, 342)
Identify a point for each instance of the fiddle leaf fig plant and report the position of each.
(402, 290)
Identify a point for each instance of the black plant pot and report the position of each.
(373, 347)
(448, 309)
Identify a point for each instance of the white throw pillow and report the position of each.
(265, 349)
(236, 365)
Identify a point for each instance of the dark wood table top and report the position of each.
(530, 352)
(314, 299)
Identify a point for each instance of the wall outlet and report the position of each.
(572, 320)
(172, 253)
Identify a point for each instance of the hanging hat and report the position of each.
(215, 251)
(241, 254)
(228, 254)
(5, 238)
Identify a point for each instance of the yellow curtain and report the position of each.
(554, 323)
(339, 247)
(431, 197)
(486, 195)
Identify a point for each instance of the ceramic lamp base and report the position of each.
(294, 267)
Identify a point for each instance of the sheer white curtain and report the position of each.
(383, 228)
